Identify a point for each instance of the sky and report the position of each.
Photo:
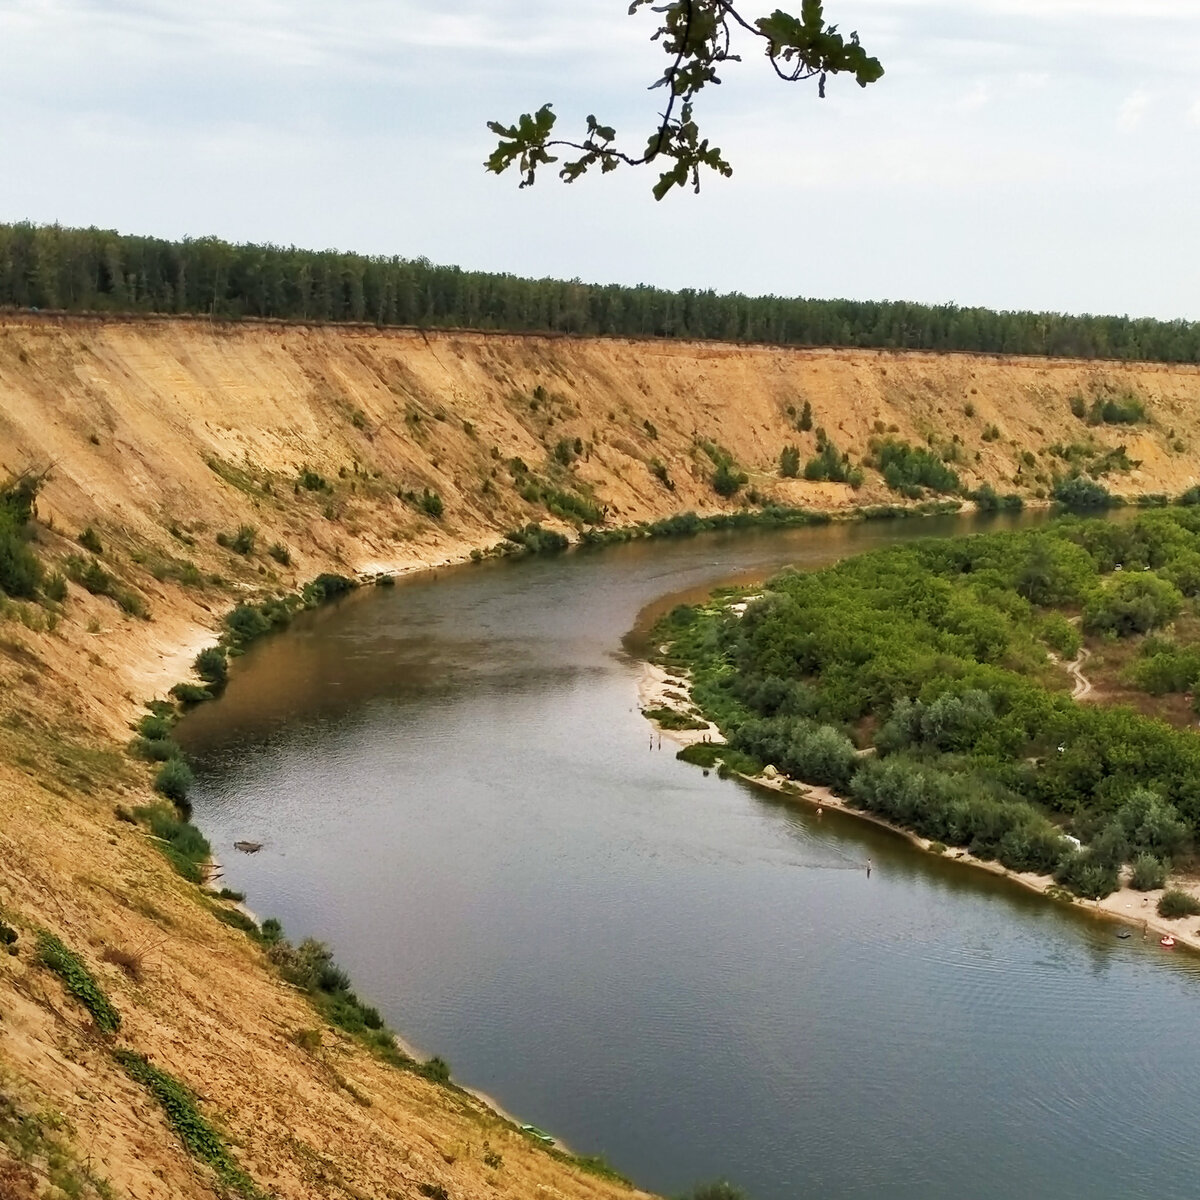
(1039, 154)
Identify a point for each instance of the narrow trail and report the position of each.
(1083, 685)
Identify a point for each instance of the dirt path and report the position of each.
(1083, 685)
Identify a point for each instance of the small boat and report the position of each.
(538, 1134)
(1123, 933)
(248, 847)
(1167, 942)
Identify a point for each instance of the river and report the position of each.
(455, 789)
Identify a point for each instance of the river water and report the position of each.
(455, 789)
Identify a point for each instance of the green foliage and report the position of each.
(805, 421)
(280, 553)
(669, 718)
(1061, 635)
(78, 980)
(311, 481)
(55, 586)
(88, 270)
(189, 694)
(246, 623)
(1174, 903)
(212, 665)
(20, 571)
(179, 1103)
(92, 577)
(1149, 873)
(185, 847)
(789, 462)
(727, 480)
(988, 500)
(1131, 604)
(174, 779)
(939, 646)
(1126, 409)
(533, 539)
(431, 504)
(310, 967)
(1083, 495)
(89, 539)
(242, 541)
(911, 469)
(829, 464)
(697, 36)
(324, 587)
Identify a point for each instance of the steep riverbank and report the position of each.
(169, 440)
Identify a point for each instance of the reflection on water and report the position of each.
(687, 975)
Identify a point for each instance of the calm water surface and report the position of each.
(455, 789)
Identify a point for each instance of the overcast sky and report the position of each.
(1018, 153)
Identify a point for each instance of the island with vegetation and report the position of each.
(939, 686)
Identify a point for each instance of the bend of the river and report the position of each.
(455, 789)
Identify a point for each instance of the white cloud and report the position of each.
(977, 97)
(1133, 109)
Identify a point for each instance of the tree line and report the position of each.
(96, 270)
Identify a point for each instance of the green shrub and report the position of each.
(202, 1141)
(246, 623)
(280, 553)
(1149, 873)
(56, 587)
(312, 482)
(727, 480)
(1122, 410)
(431, 504)
(243, 540)
(907, 469)
(89, 539)
(155, 749)
(90, 575)
(1175, 903)
(189, 694)
(78, 980)
(185, 846)
(1083, 495)
(236, 919)
(1134, 603)
(827, 465)
(789, 462)
(533, 539)
(805, 422)
(173, 780)
(212, 665)
(325, 587)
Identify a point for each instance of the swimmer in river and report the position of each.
(868, 868)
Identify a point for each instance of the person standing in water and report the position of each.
(868, 868)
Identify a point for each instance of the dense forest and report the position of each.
(94, 270)
(942, 656)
